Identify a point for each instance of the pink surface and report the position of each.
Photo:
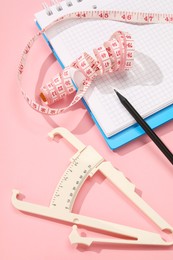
(34, 165)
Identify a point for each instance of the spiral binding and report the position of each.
(57, 4)
(47, 8)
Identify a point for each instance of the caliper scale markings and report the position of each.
(72, 180)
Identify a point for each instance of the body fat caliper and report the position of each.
(85, 163)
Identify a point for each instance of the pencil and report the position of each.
(145, 127)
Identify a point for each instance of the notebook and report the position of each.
(148, 85)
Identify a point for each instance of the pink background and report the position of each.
(34, 165)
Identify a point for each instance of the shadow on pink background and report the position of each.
(33, 164)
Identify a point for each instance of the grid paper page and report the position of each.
(148, 86)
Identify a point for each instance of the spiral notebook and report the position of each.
(148, 86)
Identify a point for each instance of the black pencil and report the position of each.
(145, 127)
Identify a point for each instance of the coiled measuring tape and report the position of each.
(116, 54)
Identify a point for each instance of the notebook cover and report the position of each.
(129, 133)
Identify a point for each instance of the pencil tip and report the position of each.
(118, 94)
(121, 97)
(115, 91)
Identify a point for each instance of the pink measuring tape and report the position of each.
(116, 54)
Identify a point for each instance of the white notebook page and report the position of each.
(148, 86)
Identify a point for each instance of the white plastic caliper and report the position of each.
(86, 162)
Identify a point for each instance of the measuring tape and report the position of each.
(85, 163)
(116, 54)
